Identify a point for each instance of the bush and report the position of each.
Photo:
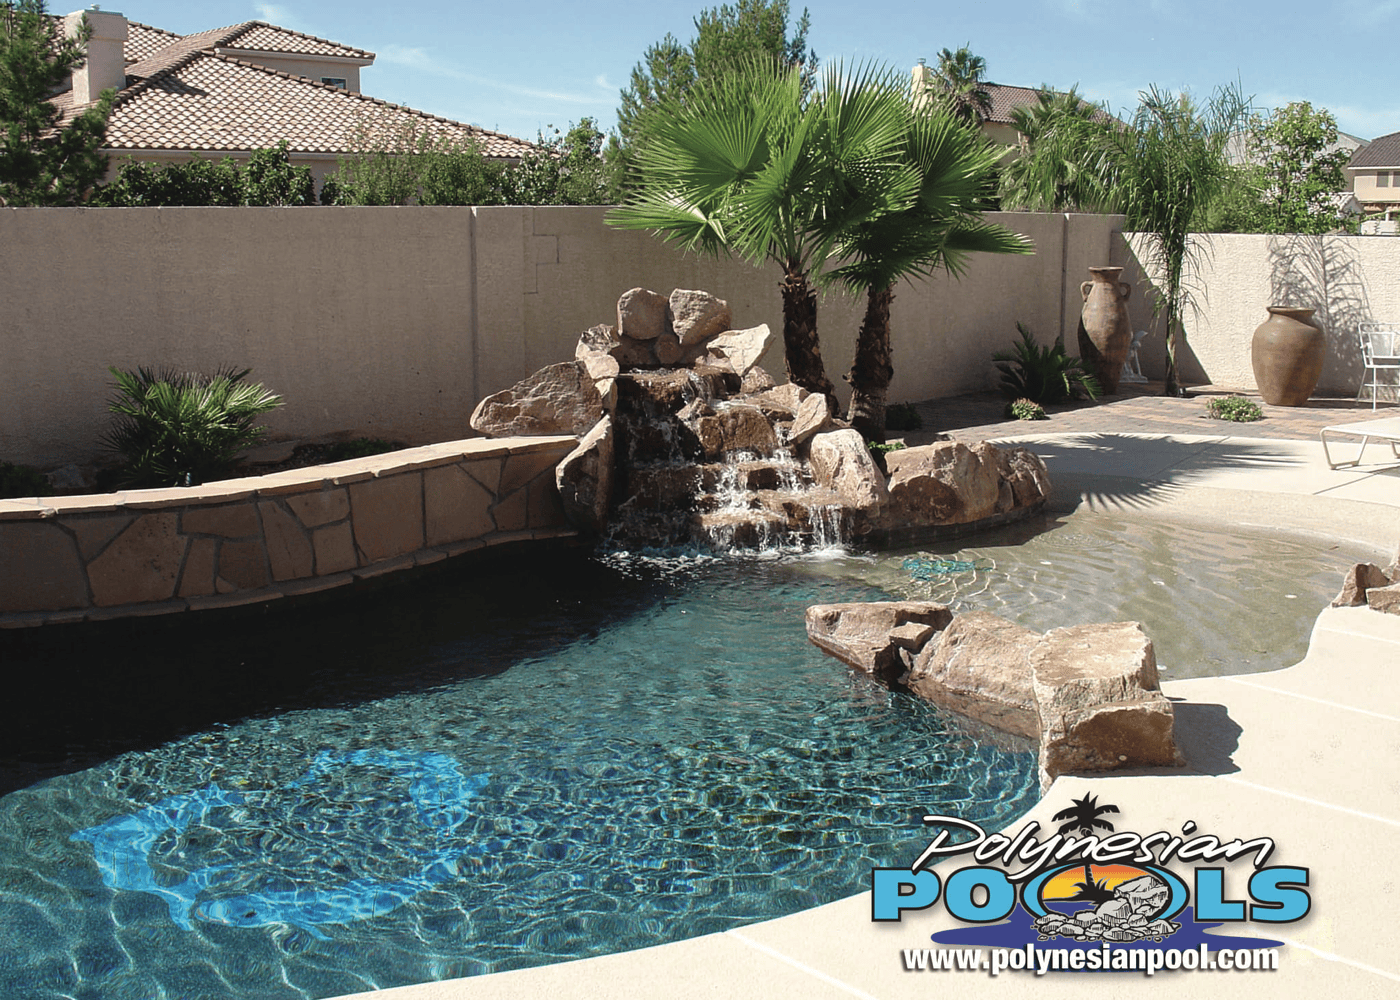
(1025, 409)
(22, 481)
(182, 428)
(1043, 374)
(1235, 408)
(885, 447)
(902, 417)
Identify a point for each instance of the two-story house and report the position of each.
(230, 91)
(1375, 176)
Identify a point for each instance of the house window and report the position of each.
(1383, 179)
(334, 81)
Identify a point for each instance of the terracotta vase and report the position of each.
(1105, 332)
(1287, 354)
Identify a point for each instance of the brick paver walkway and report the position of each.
(1136, 409)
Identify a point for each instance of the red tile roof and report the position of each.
(142, 40)
(211, 102)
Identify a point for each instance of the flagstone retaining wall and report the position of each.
(244, 541)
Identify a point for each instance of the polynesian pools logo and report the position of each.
(241, 887)
(1089, 885)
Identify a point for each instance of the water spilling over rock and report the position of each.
(684, 440)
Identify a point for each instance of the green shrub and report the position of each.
(183, 428)
(1025, 409)
(902, 417)
(885, 447)
(1235, 408)
(359, 448)
(1043, 374)
(22, 481)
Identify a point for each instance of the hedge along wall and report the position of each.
(244, 541)
(394, 322)
(1347, 279)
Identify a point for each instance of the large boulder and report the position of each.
(841, 462)
(643, 314)
(1360, 579)
(979, 666)
(951, 483)
(585, 479)
(813, 416)
(735, 428)
(697, 315)
(1385, 599)
(1099, 703)
(559, 399)
(741, 348)
(862, 634)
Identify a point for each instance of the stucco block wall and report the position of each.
(1347, 279)
(394, 322)
(245, 541)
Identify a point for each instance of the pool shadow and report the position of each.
(1206, 736)
(77, 695)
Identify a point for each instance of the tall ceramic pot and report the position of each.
(1105, 332)
(1287, 354)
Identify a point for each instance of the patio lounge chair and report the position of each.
(1387, 429)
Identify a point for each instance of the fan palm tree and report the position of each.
(945, 171)
(960, 75)
(750, 166)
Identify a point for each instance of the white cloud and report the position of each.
(424, 62)
(281, 16)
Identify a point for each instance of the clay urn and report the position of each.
(1287, 353)
(1105, 332)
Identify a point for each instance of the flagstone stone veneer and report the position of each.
(243, 541)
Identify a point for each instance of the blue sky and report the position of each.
(520, 68)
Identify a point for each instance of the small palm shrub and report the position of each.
(902, 417)
(1043, 374)
(1024, 409)
(183, 428)
(1235, 408)
(22, 481)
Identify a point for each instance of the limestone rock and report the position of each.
(741, 348)
(980, 667)
(841, 462)
(860, 634)
(757, 380)
(600, 339)
(668, 349)
(813, 417)
(736, 428)
(1385, 599)
(585, 478)
(697, 315)
(1359, 581)
(1099, 703)
(1393, 570)
(634, 353)
(643, 314)
(951, 483)
(559, 399)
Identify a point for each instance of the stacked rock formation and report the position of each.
(1367, 585)
(1088, 693)
(684, 439)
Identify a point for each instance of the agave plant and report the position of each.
(1043, 374)
(182, 428)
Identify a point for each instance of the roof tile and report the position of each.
(1380, 152)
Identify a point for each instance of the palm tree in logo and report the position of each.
(1084, 816)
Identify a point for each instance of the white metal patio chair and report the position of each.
(1380, 352)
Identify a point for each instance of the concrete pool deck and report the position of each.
(1308, 756)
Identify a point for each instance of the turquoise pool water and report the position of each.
(498, 767)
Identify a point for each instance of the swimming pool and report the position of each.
(566, 759)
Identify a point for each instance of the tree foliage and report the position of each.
(1056, 169)
(726, 36)
(960, 77)
(1296, 175)
(44, 160)
(268, 178)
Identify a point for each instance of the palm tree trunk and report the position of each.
(800, 343)
(871, 373)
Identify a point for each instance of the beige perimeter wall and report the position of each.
(1347, 279)
(393, 322)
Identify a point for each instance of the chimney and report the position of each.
(106, 59)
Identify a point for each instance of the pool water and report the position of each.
(563, 759)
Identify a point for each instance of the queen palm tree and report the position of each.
(1060, 137)
(960, 75)
(749, 165)
(935, 229)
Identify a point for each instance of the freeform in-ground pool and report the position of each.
(511, 763)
